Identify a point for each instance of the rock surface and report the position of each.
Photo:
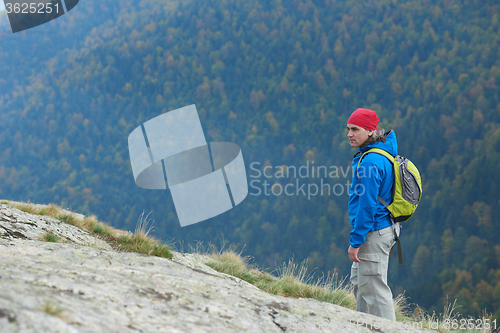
(16, 224)
(62, 287)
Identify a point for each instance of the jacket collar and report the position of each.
(390, 145)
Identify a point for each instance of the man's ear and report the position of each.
(370, 133)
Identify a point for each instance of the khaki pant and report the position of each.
(369, 276)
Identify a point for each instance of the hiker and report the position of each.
(373, 233)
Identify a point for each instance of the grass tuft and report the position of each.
(52, 309)
(25, 207)
(68, 218)
(91, 224)
(142, 226)
(230, 262)
(141, 242)
(49, 210)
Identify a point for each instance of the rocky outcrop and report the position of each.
(16, 224)
(71, 287)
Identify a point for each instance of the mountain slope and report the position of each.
(280, 80)
(70, 287)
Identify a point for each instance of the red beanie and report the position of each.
(364, 118)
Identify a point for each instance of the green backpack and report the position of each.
(407, 188)
(406, 191)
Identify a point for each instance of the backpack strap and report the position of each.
(378, 151)
(400, 255)
(392, 160)
(396, 237)
(398, 242)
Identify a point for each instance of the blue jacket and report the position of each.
(375, 178)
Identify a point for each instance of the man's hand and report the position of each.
(353, 253)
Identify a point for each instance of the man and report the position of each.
(372, 235)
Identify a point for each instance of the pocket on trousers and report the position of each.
(384, 231)
(369, 265)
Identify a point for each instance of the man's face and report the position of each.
(357, 135)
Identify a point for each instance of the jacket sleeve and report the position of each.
(368, 190)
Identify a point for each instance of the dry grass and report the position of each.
(292, 280)
(141, 242)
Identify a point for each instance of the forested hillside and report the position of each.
(279, 79)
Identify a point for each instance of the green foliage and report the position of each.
(278, 78)
(100, 230)
(140, 243)
(51, 237)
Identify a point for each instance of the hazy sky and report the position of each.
(2, 6)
